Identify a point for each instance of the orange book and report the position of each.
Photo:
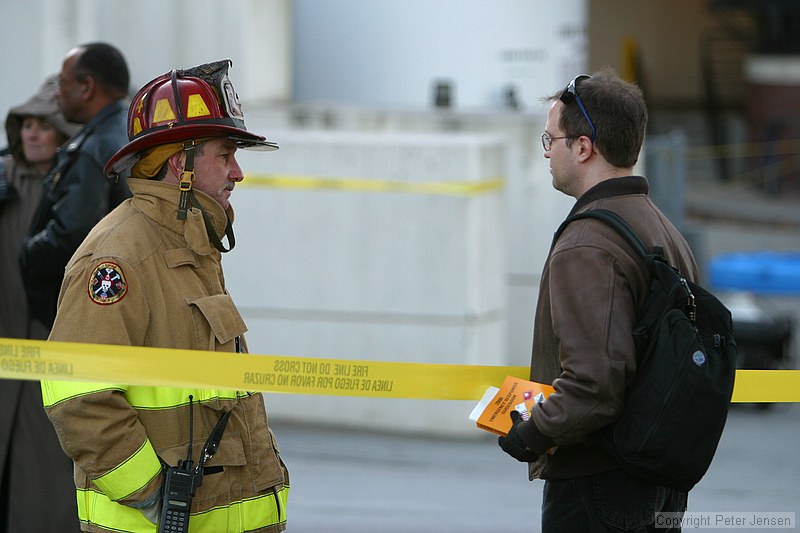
(493, 412)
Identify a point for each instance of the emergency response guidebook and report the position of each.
(493, 412)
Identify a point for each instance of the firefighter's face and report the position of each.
(216, 169)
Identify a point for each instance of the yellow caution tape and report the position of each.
(754, 386)
(743, 150)
(443, 188)
(38, 360)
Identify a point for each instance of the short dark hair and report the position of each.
(106, 64)
(618, 112)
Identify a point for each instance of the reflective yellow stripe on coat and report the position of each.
(132, 475)
(54, 392)
(237, 517)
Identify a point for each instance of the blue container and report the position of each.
(757, 272)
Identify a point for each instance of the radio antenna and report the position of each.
(191, 431)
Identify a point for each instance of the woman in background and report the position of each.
(37, 493)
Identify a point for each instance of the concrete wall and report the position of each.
(386, 275)
(533, 209)
(369, 270)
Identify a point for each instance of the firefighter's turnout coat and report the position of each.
(144, 278)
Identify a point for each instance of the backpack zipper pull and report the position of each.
(691, 306)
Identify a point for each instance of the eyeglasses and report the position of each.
(570, 94)
(547, 140)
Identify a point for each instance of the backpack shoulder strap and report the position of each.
(655, 261)
(616, 222)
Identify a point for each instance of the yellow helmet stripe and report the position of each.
(163, 112)
(196, 107)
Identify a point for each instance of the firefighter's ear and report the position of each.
(175, 164)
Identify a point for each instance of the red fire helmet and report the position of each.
(182, 105)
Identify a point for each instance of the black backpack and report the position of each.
(675, 409)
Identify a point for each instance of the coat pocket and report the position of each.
(217, 322)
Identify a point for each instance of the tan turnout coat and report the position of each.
(144, 278)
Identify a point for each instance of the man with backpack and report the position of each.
(592, 286)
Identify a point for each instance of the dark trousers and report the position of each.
(608, 502)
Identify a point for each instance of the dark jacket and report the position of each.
(591, 287)
(76, 196)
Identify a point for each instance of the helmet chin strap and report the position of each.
(187, 178)
(212, 234)
(188, 199)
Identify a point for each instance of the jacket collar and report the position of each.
(77, 140)
(159, 201)
(612, 187)
(111, 109)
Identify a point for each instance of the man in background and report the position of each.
(76, 194)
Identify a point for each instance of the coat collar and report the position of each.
(77, 140)
(612, 187)
(159, 201)
(111, 109)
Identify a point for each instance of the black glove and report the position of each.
(512, 443)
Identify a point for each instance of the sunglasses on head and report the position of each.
(570, 94)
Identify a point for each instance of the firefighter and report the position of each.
(150, 274)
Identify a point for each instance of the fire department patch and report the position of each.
(107, 284)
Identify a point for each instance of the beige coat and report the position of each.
(144, 278)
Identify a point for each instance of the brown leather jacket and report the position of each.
(591, 287)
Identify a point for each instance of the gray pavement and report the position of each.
(355, 482)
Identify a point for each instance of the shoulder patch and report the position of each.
(107, 284)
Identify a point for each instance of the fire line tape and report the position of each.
(441, 188)
(133, 365)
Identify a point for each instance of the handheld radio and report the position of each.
(179, 487)
(183, 480)
(177, 499)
